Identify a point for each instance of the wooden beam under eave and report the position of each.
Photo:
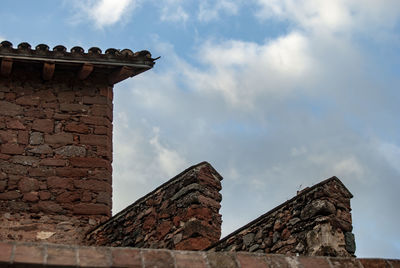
(120, 74)
(48, 70)
(6, 67)
(85, 71)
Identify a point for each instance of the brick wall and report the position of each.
(50, 255)
(183, 213)
(55, 154)
(315, 222)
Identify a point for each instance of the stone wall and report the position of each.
(183, 213)
(55, 154)
(315, 222)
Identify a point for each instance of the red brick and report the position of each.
(31, 197)
(126, 257)
(5, 252)
(15, 124)
(194, 243)
(95, 100)
(149, 223)
(157, 258)
(344, 262)
(10, 148)
(311, 262)
(32, 254)
(63, 183)
(199, 212)
(101, 130)
(68, 197)
(78, 128)
(49, 207)
(58, 116)
(73, 107)
(221, 260)
(394, 263)
(28, 100)
(95, 120)
(41, 172)
(277, 261)
(23, 137)
(61, 256)
(8, 136)
(10, 109)
(53, 162)
(89, 162)
(95, 140)
(251, 260)
(71, 172)
(94, 257)
(66, 96)
(374, 263)
(10, 195)
(26, 185)
(93, 185)
(60, 138)
(107, 92)
(43, 125)
(10, 96)
(190, 259)
(163, 228)
(102, 110)
(44, 195)
(5, 156)
(209, 202)
(91, 209)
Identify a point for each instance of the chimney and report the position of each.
(56, 112)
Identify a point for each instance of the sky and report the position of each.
(277, 95)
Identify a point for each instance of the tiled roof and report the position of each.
(118, 64)
(111, 56)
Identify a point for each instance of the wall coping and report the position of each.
(299, 195)
(143, 198)
(17, 254)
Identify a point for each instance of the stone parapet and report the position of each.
(14, 254)
(315, 222)
(183, 213)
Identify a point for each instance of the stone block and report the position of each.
(32, 254)
(61, 255)
(126, 257)
(157, 258)
(94, 257)
(43, 125)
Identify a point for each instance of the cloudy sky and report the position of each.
(276, 94)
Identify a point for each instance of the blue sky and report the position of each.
(276, 94)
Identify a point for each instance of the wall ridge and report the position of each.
(299, 195)
(143, 198)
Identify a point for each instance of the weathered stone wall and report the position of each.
(55, 154)
(315, 222)
(181, 214)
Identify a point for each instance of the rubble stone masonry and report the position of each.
(182, 214)
(55, 155)
(316, 222)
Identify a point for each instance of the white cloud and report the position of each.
(245, 71)
(169, 160)
(211, 10)
(173, 11)
(333, 16)
(104, 12)
(391, 152)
